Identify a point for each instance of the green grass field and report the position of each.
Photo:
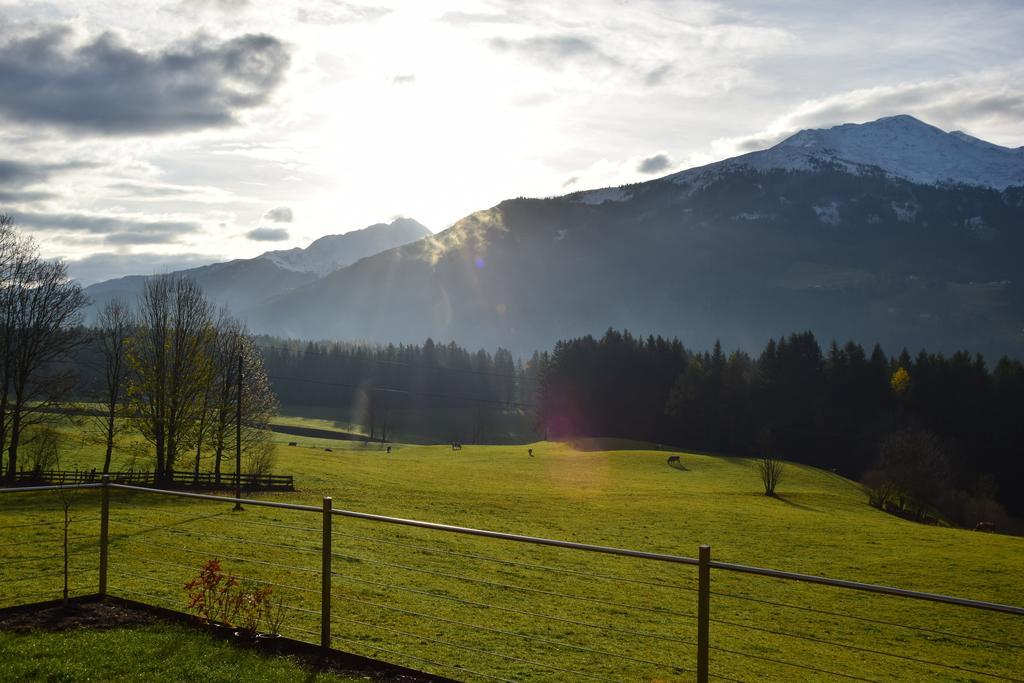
(162, 652)
(462, 606)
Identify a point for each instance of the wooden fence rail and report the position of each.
(184, 479)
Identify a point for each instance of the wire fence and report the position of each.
(471, 604)
(32, 546)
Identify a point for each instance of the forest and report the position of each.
(929, 434)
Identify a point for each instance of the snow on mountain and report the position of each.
(331, 252)
(900, 146)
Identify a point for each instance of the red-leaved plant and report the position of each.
(212, 595)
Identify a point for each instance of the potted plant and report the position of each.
(253, 602)
(273, 617)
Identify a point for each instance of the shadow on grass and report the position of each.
(799, 506)
(678, 465)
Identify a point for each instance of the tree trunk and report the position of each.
(12, 448)
(159, 439)
(110, 439)
(3, 434)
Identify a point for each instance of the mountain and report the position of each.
(332, 252)
(243, 283)
(901, 146)
(891, 230)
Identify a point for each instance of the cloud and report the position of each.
(403, 79)
(268, 234)
(340, 13)
(143, 190)
(225, 5)
(106, 87)
(555, 50)
(654, 164)
(18, 174)
(658, 75)
(21, 174)
(110, 265)
(281, 214)
(469, 18)
(121, 230)
(18, 197)
(571, 181)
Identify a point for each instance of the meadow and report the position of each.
(482, 609)
(164, 652)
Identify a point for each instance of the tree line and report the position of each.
(171, 369)
(930, 434)
(379, 386)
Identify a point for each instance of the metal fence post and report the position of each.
(325, 578)
(703, 611)
(104, 532)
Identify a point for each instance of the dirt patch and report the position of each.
(95, 615)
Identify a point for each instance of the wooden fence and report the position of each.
(206, 481)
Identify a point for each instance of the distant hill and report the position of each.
(892, 231)
(243, 283)
(332, 252)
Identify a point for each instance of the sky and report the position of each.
(146, 137)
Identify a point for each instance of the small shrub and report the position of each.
(253, 605)
(43, 449)
(261, 459)
(213, 596)
(275, 615)
(771, 473)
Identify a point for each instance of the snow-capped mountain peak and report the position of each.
(331, 252)
(901, 146)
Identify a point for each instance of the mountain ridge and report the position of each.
(330, 252)
(803, 235)
(734, 250)
(241, 284)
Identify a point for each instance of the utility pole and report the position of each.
(238, 436)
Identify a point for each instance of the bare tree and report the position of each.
(170, 366)
(113, 329)
(16, 254)
(771, 470)
(768, 466)
(258, 404)
(226, 350)
(40, 310)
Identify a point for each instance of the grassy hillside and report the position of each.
(482, 606)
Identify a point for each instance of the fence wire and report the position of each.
(510, 615)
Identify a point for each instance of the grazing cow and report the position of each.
(530, 451)
(990, 527)
(293, 443)
(456, 446)
(328, 450)
(389, 450)
(672, 459)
